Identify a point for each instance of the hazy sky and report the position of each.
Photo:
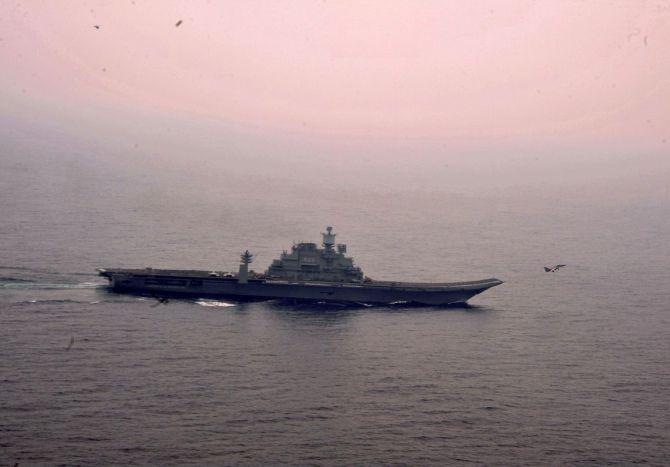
(549, 70)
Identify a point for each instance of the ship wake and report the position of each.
(20, 278)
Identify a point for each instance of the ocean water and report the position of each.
(571, 367)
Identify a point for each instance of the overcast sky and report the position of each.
(593, 70)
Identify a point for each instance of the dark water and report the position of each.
(565, 368)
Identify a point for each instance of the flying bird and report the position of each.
(178, 23)
(69, 346)
(554, 268)
(96, 26)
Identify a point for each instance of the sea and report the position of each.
(551, 368)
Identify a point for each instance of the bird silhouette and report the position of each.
(554, 268)
(96, 26)
(178, 23)
(161, 301)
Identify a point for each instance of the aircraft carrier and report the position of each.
(306, 273)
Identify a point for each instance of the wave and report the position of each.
(24, 272)
(51, 301)
(16, 268)
(12, 279)
(213, 303)
(25, 278)
(23, 284)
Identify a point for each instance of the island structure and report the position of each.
(304, 274)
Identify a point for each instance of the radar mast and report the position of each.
(328, 239)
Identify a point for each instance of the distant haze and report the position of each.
(490, 94)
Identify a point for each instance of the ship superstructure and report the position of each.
(306, 262)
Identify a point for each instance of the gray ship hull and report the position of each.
(203, 284)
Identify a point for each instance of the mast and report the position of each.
(245, 259)
(328, 239)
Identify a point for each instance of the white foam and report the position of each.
(90, 285)
(213, 303)
(50, 286)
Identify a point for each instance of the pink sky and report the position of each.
(556, 71)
